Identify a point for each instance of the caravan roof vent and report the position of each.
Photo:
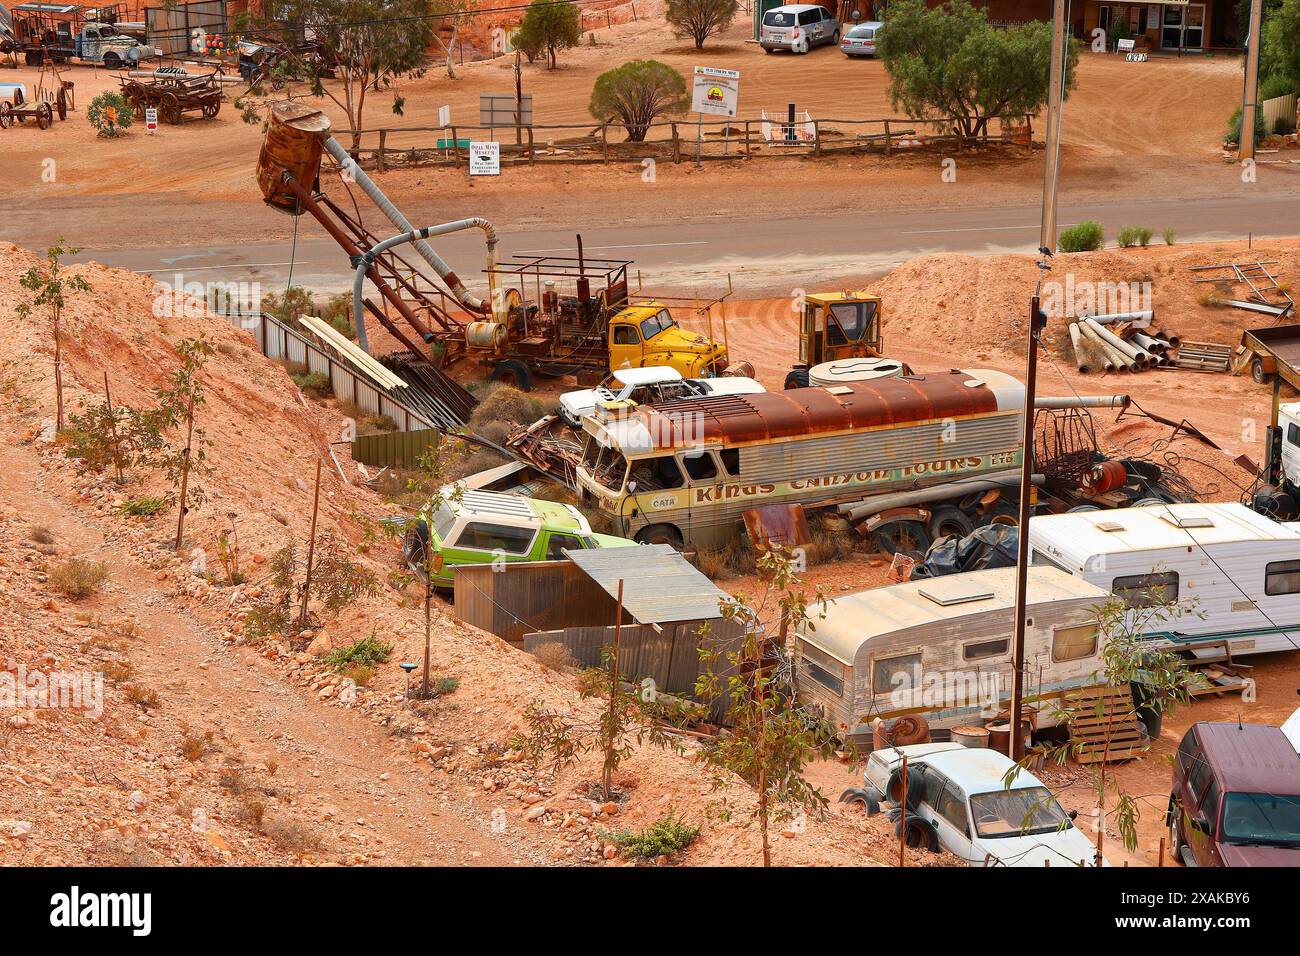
(949, 591)
(1188, 521)
(1110, 526)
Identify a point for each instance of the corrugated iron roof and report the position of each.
(659, 585)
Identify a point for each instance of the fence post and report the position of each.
(455, 147)
(749, 149)
(531, 151)
(817, 139)
(604, 142)
(889, 146)
(1029, 134)
(677, 145)
(383, 138)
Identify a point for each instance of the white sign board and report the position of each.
(485, 159)
(151, 119)
(1124, 46)
(715, 92)
(444, 115)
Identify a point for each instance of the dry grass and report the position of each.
(78, 578)
(140, 695)
(290, 835)
(118, 671)
(553, 656)
(41, 534)
(195, 746)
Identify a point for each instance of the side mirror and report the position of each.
(1200, 823)
(1073, 814)
(631, 489)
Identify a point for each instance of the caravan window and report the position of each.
(981, 649)
(1073, 643)
(896, 673)
(1293, 434)
(1282, 577)
(1146, 590)
(731, 461)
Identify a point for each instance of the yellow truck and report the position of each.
(833, 326)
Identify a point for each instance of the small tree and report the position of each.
(624, 720)
(636, 93)
(699, 19)
(1129, 661)
(951, 62)
(364, 44)
(452, 12)
(1280, 43)
(549, 26)
(50, 285)
(769, 741)
(176, 406)
(110, 114)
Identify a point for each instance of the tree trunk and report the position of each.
(311, 551)
(185, 469)
(58, 374)
(451, 49)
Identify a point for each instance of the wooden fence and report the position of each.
(681, 140)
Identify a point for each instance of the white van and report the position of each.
(798, 28)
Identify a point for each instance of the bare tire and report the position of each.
(797, 378)
(112, 61)
(61, 104)
(660, 534)
(1258, 374)
(920, 833)
(44, 116)
(513, 373)
(905, 536)
(915, 787)
(949, 521)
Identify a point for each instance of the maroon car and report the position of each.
(1235, 799)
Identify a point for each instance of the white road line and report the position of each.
(625, 245)
(228, 265)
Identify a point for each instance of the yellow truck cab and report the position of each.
(836, 325)
(645, 334)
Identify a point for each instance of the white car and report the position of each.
(646, 386)
(958, 800)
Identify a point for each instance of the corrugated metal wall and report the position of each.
(169, 27)
(395, 449)
(1279, 108)
(538, 596)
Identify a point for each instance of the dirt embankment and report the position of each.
(257, 752)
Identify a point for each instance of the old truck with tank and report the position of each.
(70, 33)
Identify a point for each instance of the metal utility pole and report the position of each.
(1037, 320)
(1250, 91)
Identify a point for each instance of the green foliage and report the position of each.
(637, 93)
(1084, 237)
(699, 19)
(290, 306)
(1280, 45)
(548, 27)
(1170, 235)
(50, 286)
(337, 580)
(664, 837)
(950, 62)
(119, 437)
(145, 506)
(366, 652)
(561, 737)
(1233, 132)
(314, 383)
(769, 742)
(110, 114)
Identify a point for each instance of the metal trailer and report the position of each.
(1271, 352)
(1273, 357)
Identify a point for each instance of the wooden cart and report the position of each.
(173, 97)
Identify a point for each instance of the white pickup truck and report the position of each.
(648, 385)
(958, 800)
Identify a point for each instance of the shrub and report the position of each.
(1233, 133)
(42, 535)
(143, 507)
(1128, 237)
(1170, 236)
(664, 837)
(636, 94)
(337, 580)
(700, 19)
(314, 383)
(1084, 237)
(267, 621)
(290, 835)
(78, 578)
(553, 656)
(445, 685)
(139, 694)
(505, 403)
(109, 114)
(195, 746)
(360, 674)
(368, 652)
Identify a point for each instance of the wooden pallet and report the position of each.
(1117, 720)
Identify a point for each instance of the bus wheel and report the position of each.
(950, 521)
(511, 372)
(660, 534)
(905, 536)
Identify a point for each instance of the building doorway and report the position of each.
(1183, 27)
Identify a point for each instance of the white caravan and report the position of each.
(1237, 571)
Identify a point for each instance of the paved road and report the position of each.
(763, 256)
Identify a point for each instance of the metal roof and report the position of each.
(659, 585)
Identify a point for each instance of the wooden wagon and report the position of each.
(174, 96)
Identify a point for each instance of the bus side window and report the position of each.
(654, 473)
(730, 461)
(701, 466)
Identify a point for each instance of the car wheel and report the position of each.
(660, 534)
(797, 378)
(112, 61)
(905, 536)
(1257, 373)
(920, 833)
(1176, 838)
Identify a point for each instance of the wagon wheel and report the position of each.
(61, 104)
(171, 109)
(211, 108)
(44, 116)
(136, 102)
(6, 116)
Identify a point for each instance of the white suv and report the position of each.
(798, 27)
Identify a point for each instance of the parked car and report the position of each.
(481, 527)
(646, 386)
(1235, 798)
(861, 39)
(958, 800)
(798, 28)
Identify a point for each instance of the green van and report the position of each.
(486, 526)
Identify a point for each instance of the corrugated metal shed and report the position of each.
(659, 585)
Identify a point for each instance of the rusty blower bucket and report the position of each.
(293, 144)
